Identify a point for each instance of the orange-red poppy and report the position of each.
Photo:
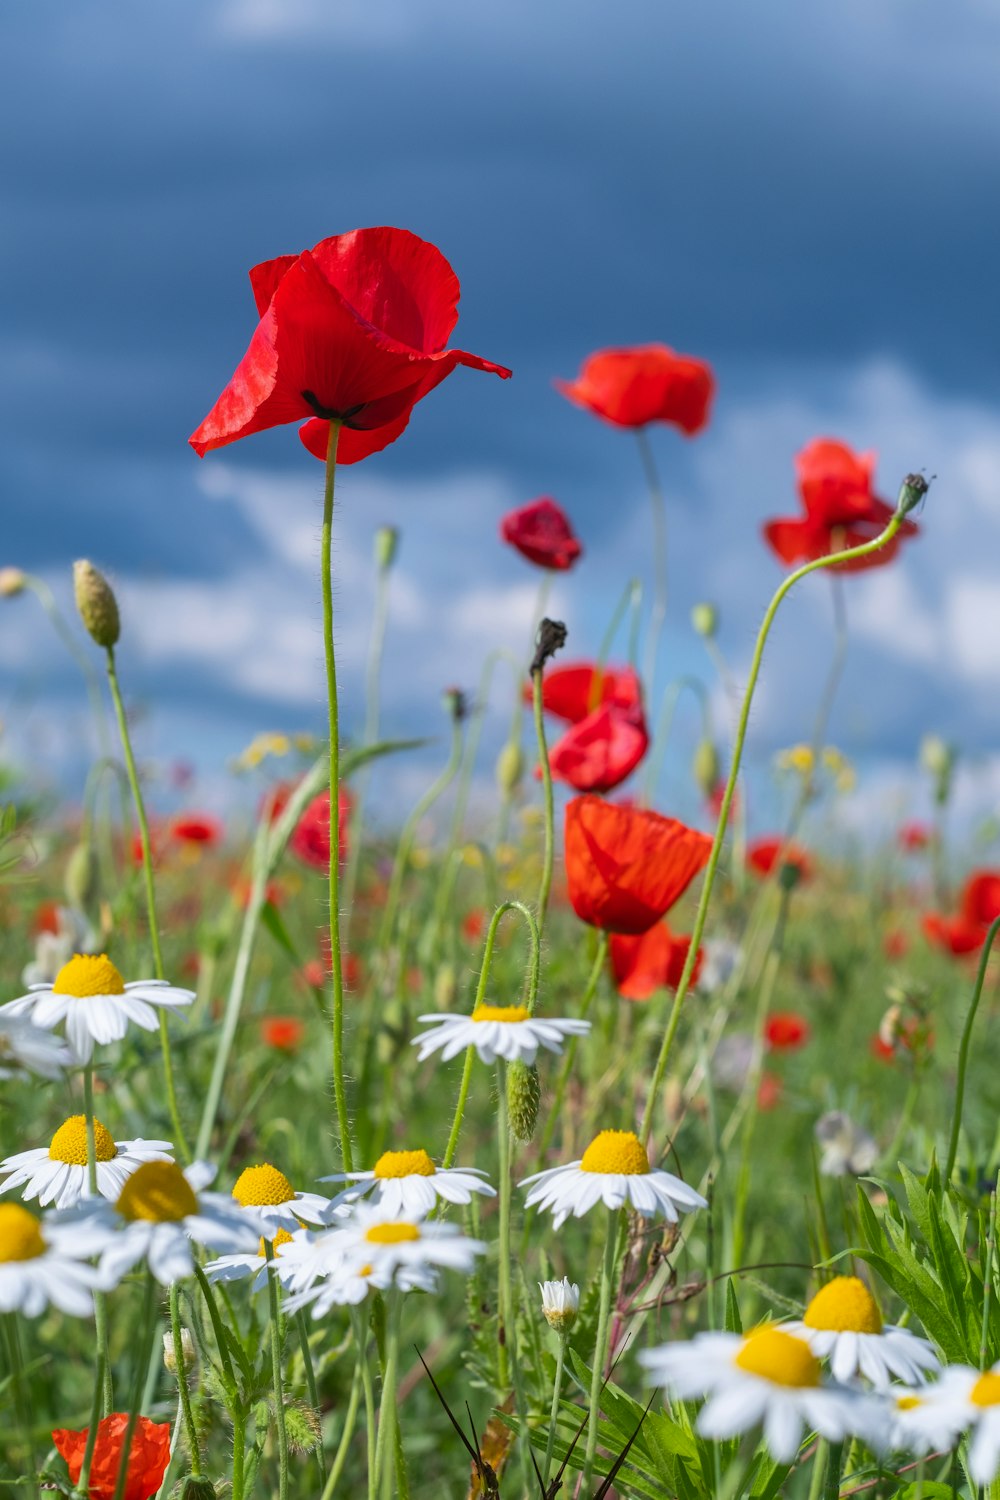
(785, 1030)
(602, 750)
(648, 383)
(573, 691)
(283, 1033)
(979, 906)
(196, 828)
(147, 1461)
(650, 961)
(311, 840)
(914, 837)
(762, 857)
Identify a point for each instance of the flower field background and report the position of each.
(457, 1112)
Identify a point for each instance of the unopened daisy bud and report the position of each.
(12, 581)
(523, 1097)
(911, 492)
(80, 881)
(303, 1426)
(510, 768)
(386, 546)
(560, 1303)
(97, 604)
(705, 619)
(187, 1350)
(198, 1489)
(705, 768)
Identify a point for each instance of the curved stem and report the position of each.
(659, 610)
(865, 550)
(668, 707)
(548, 857)
(276, 1376)
(963, 1051)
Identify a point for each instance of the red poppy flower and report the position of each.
(157, 841)
(841, 510)
(956, 935)
(599, 752)
(353, 330)
(913, 837)
(47, 918)
(196, 828)
(147, 1460)
(768, 1092)
(981, 897)
(474, 924)
(570, 693)
(283, 1033)
(541, 532)
(785, 1031)
(626, 866)
(895, 944)
(650, 383)
(762, 857)
(652, 961)
(311, 840)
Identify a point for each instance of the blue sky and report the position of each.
(804, 195)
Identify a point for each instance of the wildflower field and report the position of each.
(578, 1150)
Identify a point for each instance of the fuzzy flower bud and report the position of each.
(705, 619)
(560, 1302)
(911, 492)
(80, 881)
(187, 1349)
(523, 1097)
(705, 767)
(303, 1426)
(386, 547)
(510, 768)
(11, 582)
(198, 1489)
(97, 604)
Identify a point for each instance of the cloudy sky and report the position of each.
(804, 195)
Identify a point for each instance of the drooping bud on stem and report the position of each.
(551, 638)
(12, 581)
(97, 604)
(705, 619)
(510, 768)
(386, 546)
(706, 767)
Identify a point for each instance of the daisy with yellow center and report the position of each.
(92, 998)
(155, 1218)
(269, 1196)
(238, 1267)
(843, 1324)
(614, 1170)
(26, 1048)
(932, 1418)
(407, 1183)
(507, 1031)
(56, 1175)
(43, 1264)
(768, 1378)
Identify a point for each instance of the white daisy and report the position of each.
(843, 1324)
(238, 1267)
(932, 1417)
(72, 934)
(58, 1175)
(96, 1004)
(25, 1047)
(507, 1031)
(560, 1303)
(158, 1213)
(613, 1170)
(769, 1377)
(408, 1184)
(269, 1196)
(42, 1264)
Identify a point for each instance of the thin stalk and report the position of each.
(83, 1482)
(627, 600)
(150, 889)
(963, 1051)
(184, 1395)
(505, 1329)
(311, 1387)
(548, 857)
(732, 693)
(590, 990)
(333, 712)
(367, 1385)
(276, 1375)
(145, 1351)
(239, 1450)
(376, 647)
(820, 1460)
(864, 550)
(20, 1394)
(343, 1447)
(46, 599)
(668, 708)
(659, 611)
(608, 1266)
(385, 1441)
(554, 1411)
(100, 1298)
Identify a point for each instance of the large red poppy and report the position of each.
(649, 383)
(196, 828)
(570, 692)
(353, 330)
(841, 509)
(762, 857)
(601, 750)
(311, 840)
(651, 961)
(542, 533)
(978, 908)
(147, 1460)
(626, 866)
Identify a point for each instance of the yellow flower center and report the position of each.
(159, 1192)
(501, 1013)
(391, 1234)
(986, 1391)
(262, 1186)
(616, 1151)
(405, 1164)
(907, 1403)
(20, 1234)
(844, 1305)
(779, 1357)
(281, 1237)
(85, 975)
(69, 1144)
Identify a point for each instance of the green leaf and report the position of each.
(734, 1323)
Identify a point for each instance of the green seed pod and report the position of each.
(386, 547)
(510, 768)
(523, 1098)
(705, 767)
(705, 619)
(81, 876)
(97, 604)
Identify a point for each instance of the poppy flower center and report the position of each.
(69, 1144)
(507, 1013)
(986, 1391)
(157, 1192)
(20, 1234)
(86, 975)
(404, 1164)
(263, 1186)
(778, 1357)
(391, 1234)
(618, 1151)
(844, 1305)
(281, 1237)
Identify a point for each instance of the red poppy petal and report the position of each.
(401, 284)
(352, 446)
(264, 279)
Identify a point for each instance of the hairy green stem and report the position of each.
(100, 1297)
(376, 648)
(350, 1421)
(184, 1395)
(554, 1410)
(658, 614)
(277, 1382)
(21, 1400)
(548, 857)
(608, 1266)
(963, 1051)
(143, 1357)
(386, 1439)
(311, 1386)
(83, 1481)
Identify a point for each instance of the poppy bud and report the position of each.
(11, 582)
(97, 604)
(455, 705)
(187, 1349)
(445, 987)
(510, 768)
(705, 767)
(523, 1098)
(705, 619)
(198, 1489)
(550, 638)
(938, 758)
(303, 1427)
(386, 546)
(80, 881)
(911, 492)
(790, 875)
